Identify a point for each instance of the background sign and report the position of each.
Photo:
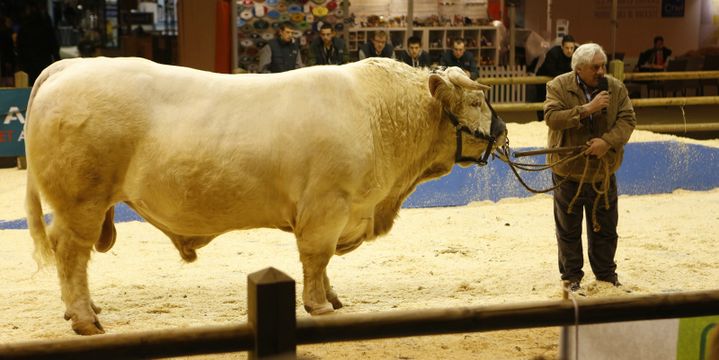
(672, 8)
(13, 109)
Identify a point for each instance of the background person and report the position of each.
(327, 48)
(459, 56)
(656, 58)
(37, 46)
(378, 47)
(281, 53)
(578, 113)
(414, 56)
(557, 61)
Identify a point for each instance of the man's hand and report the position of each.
(597, 147)
(599, 102)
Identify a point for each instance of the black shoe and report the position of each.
(574, 286)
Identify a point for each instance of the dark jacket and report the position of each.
(555, 63)
(422, 60)
(284, 55)
(335, 55)
(369, 51)
(649, 57)
(562, 115)
(466, 62)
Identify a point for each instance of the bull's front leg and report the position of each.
(319, 227)
(72, 255)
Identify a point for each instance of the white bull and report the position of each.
(328, 153)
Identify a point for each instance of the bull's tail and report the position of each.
(44, 252)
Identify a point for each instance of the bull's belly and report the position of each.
(210, 217)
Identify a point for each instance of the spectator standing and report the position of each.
(459, 56)
(37, 45)
(281, 53)
(656, 58)
(378, 47)
(578, 113)
(327, 48)
(7, 52)
(557, 61)
(414, 55)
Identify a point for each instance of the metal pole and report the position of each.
(549, 20)
(512, 33)
(614, 24)
(410, 21)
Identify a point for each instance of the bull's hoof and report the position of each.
(87, 328)
(323, 309)
(336, 303)
(88, 325)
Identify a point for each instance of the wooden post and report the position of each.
(564, 335)
(616, 68)
(21, 80)
(271, 314)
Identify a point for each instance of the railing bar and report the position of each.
(348, 327)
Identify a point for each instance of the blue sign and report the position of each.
(13, 109)
(672, 8)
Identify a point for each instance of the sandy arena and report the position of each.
(481, 254)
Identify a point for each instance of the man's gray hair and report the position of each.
(585, 54)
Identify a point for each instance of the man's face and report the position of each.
(378, 43)
(327, 35)
(286, 34)
(592, 72)
(458, 50)
(568, 48)
(659, 44)
(414, 50)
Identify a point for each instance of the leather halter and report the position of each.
(460, 128)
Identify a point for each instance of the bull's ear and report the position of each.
(435, 81)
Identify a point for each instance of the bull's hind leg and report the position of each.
(73, 236)
(319, 226)
(331, 293)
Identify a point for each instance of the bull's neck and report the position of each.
(425, 145)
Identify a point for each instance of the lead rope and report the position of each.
(603, 190)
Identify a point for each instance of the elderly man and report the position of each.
(378, 47)
(585, 108)
(459, 56)
(281, 53)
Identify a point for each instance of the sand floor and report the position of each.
(481, 254)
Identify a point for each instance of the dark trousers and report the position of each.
(602, 245)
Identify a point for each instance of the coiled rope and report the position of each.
(602, 188)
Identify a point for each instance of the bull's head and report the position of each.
(465, 105)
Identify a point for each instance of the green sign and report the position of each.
(13, 109)
(696, 336)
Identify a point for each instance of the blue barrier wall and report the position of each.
(13, 108)
(648, 168)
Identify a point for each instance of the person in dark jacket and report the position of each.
(282, 53)
(580, 113)
(414, 56)
(378, 47)
(327, 48)
(557, 61)
(654, 59)
(7, 52)
(459, 56)
(37, 46)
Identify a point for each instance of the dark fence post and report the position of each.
(21, 80)
(271, 314)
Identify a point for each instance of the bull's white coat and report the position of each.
(328, 153)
